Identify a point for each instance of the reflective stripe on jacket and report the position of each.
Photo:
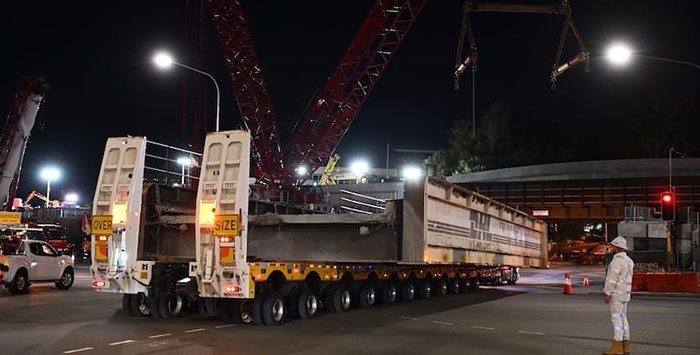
(618, 282)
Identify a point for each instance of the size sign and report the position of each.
(226, 225)
(10, 218)
(102, 225)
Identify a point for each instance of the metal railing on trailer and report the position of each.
(353, 202)
(170, 165)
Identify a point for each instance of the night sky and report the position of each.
(96, 57)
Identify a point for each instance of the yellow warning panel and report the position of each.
(101, 250)
(102, 225)
(226, 225)
(10, 218)
(227, 255)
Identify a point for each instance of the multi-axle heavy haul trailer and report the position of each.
(260, 268)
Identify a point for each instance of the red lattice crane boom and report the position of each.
(328, 119)
(249, 86)
(338, 103)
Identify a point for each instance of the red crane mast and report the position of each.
(249, 87)
(329, 118)
(336, 106)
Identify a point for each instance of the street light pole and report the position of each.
(668, 60)
(216, 85)
(164, 60)
(48, 192)
(670, 170)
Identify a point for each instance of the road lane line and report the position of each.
(409, 318)
(224, 326)
(159, 336)
(78, 350)
(439, 322)
(121, 342)
(484, 328)
(528, 332)
(195, 330)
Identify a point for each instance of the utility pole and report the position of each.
(474, 100)
(387, 160)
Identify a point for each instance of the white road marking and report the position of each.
(409, 318)
(484, 328)
(527, 332)
(159, 336)
(121, 342)
(439, 322)
(195, 330)
(224, 326)
(78, 350)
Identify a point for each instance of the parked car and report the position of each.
(31, 261)
(57, 236)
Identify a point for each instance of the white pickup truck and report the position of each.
(32, 261)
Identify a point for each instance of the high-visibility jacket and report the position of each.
(618, 282)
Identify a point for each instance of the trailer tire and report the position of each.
(232, 311)
(464, 284)
(338, 299)
(497, 281)
(367, 296)
(139, 305)
(126, 304)
(211, 306)
(474, 284)
(439, 287)
(154, 304)
(256, 310)
(389, 293)
(273, 309)
(303, 304)
(408, 291)
(453, 285)
(170, 305)
(424, 290)
(513, 278)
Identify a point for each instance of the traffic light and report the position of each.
(668, 204)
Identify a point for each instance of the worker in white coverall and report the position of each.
(618, 288)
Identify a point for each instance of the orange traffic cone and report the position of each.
(568, 287)
(586, 281)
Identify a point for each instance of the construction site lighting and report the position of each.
(50, 174)
(71, 197)
(359, 167)
(302, 171)
(412, 173)
(163, 60)
(184, 161)
(619, 54)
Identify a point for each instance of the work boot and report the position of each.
(626, 346)
(615, 349)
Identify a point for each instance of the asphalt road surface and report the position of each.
(532, 317)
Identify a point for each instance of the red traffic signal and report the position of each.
(668, 203)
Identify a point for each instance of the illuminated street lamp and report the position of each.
(164, 61)
(49, 174)
(412, 173)
(620, 54)
(184, 162)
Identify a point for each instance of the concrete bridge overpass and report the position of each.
(588, 190)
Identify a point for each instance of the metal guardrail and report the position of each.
(171, 165)
(360, 203)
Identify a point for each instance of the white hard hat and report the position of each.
(620, 242)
